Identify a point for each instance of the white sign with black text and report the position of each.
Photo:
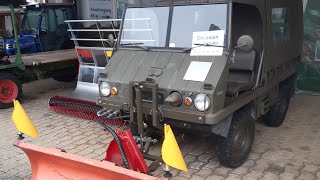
(204, 43)
(102, 9)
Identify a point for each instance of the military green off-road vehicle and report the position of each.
(205, 65)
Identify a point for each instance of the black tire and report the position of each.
(277, 112)
(234, 150)
(9, 84)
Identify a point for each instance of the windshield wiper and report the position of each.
(201, 45)
(135, 44)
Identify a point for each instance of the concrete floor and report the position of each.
(289, 152)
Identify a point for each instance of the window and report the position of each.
(280, 25)
(30, 21)
(52, 20)
(149, 26)
(9, 27)
(189, 19)
(145, 26)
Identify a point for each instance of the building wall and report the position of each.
(309, 72)
(103, 9)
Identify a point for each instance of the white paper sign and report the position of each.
(207, 37)
(102, 9)
(172, 45)
(197, 71)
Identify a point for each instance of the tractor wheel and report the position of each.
(10, 89)
(234, 150)
(277, 113)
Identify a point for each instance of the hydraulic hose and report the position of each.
(117, 139)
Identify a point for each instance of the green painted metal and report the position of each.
(18, 61)
(309, 69)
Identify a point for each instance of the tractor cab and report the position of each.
(43, 28)
(6, 26)
(207, 66)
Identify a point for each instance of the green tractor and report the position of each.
(11, 73)
(61, 65)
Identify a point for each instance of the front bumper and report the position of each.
(187, 116)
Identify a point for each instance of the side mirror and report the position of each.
(245, 43)
(2, 47)
(111, 40)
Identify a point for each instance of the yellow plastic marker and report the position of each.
(109, 54)
(171, 153)
(22, 121)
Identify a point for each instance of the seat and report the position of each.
(242, 72)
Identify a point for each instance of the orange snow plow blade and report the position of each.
(50, 163)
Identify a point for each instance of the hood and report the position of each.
(167, 69)
(25, 41)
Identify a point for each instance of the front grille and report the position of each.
(9, 46)
(147, 97)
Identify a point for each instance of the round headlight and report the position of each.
(105, 89)
(202, 102)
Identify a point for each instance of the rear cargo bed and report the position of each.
(37, 59)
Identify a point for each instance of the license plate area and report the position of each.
(147, 97)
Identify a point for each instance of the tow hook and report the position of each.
(145, 143)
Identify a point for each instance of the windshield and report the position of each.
(149, 26)
(189, 19)
(145, 26)
(30, 21)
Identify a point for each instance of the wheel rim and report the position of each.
(8, 91)
(240, 141)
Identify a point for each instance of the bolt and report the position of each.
(200, 118)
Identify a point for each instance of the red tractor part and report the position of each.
(8, 91)
(84, 53)
(52, 164)
(81, 108)
(134, 156)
